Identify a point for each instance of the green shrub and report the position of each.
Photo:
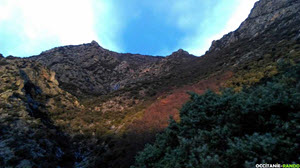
(258, 125)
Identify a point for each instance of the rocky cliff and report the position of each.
(90, 69)
(266, 15)
(29, 98)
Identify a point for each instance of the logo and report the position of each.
(277, 165)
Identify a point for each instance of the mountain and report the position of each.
(93, 70)
(86, 106)
(89, 68)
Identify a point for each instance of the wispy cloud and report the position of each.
(214, 23)
(37, 25)
(148, 27)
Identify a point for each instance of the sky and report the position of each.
(156, 27)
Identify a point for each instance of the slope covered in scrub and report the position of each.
(259, 124)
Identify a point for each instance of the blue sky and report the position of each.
(156, 27)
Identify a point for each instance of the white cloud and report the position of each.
(37, 25)
(58, 22)
(5, 10)
(240, 14)
(198, 43)
(109, 24)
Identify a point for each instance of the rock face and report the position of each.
(82, 68)
(263, 16)
(90, 69)
(28, 97)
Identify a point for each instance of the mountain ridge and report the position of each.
(91, 58)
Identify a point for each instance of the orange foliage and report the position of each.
(156, 115)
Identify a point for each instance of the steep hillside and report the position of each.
(238, 64)
(255, 126)
(108, 105)
(29, 95)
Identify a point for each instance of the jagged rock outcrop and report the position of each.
(264, 16)
(180, 54)
(83, 68)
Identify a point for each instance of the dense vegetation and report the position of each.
(259, 124)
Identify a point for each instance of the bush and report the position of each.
(260, 124)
